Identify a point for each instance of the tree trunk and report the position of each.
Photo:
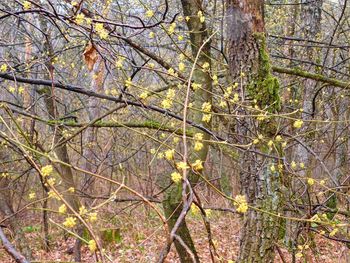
(261, 186)
(172, 203)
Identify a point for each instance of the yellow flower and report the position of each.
(310, 181)
(293, 164)
(171, 94)
(52, 194)
(334, 231)
(206, 65)
(270, 143)
(166, 104)
(171, 71)
(201, 16)
(181, 66)
(299, 255)
(198, 136)
(80, 18)
(128, 82)
(82, 210)
(93, 217)
(12, 89)
(3, 68)
(235, 98)
(101, 31)
(51, 181)
(322, 182)
(206, 117)
(32, 195)
(180, 37)
(302, 165)
(70, 222)
(208, 212)
(256, 141)
(215, 80)
(196, 86)
(198, 146)
(46, 170)
(20, 90)
(195, 210)
(176, 177)
(241, 204)
(151, 34)
(171, 28)
(27, 5)
(144, 95)
(272, 168)
(206, 107)
(71, 189)
(62, 209)
(278, 138)
(169, 154)
(187, 18)
(197, 165)
(297, 124)
(92, 245)
(149, 13)
(182, 166)
(176, 140)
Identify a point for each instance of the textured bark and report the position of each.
(262, 188)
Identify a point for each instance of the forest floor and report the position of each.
(142, 238)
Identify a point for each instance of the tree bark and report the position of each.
(262, 187)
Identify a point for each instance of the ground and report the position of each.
(142, 240)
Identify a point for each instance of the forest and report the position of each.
(174, 131)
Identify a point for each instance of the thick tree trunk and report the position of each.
(261, 186)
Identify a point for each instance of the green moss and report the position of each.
(264, 86)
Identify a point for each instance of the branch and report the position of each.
(11, 250)
(90, 93)
(314, 76)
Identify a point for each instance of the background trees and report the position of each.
(175, 112)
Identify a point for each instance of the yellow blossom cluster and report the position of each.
(46, 170)
(62, 209)
(92, 245)
(241, 204)
(176, 177)
(3, 68)
(201, 16)
(101, 31)
(297, 124)
(198, 141)
(70, 222)
(195, 210)
(168, 101)
(27, 5)
(171, 28)
(197, 165)
(169, 154)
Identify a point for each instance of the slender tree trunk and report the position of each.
(61, 152)
(173, 200)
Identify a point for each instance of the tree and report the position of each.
(260, 178)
